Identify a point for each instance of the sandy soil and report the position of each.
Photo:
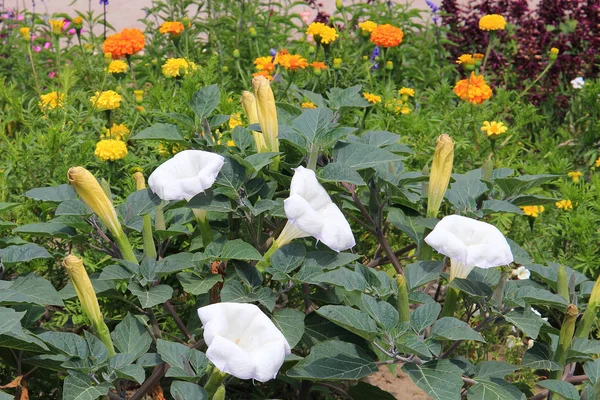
(400, 385)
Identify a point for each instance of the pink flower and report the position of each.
(51, 74)
(37, 49)
(47, 45)
(72, 31)
(66, 24)
(305, 15)
(20, 17)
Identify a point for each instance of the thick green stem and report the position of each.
(425, 251)
(214, 382)
(265, 263)
(149, 247)
(402, 299)
(562, 286)
(565, 338)
(104, 335)
(450, 302)
(312, 158)
(159, 218)
(589, 317)
(204, 225)
(125, 247)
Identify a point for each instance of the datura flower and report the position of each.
(266, 112)
(242, 341)
(311, 212)
(469, 243)
(251, 110)
(187, 174)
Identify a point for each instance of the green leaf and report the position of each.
(526, 320)
(412, 344)
(501, 206)
(47, 229)
(313, 123)
(67, 343)
(23, 253)
(422, 272)
(72, 207)
(535, 296)
(286, 259)
(242, 137)
(380, 138)
(592, 370)
(519, 185)
(260, 160)
(115, 273)
(205, 100)
(336, 172)
(439, 379)
(55, 193)
(494, 369)
(160, 131)
(7, 206)
(175, 263)
(349, 318)
(349, 97)
(540, 356)
(187, 391)
(424, 316)
(232, 174)
(195, 285)
(329, 260)
(472, 287)
(9, 319)
(121, 365)
(239, 250)
(291, 323)
(463, 193)
(450, 328)
(98, 351)
(364, 390)
(153, 296)
(382, 312)
(361, 156)
(562, 388)
(532, 200)
(235, 292)
(494, 389)
(334, 360)
(130, 336)
(210, 202)
(184, 362)
(30, 288)
(350, 280)
(141, 202)
(78, 386)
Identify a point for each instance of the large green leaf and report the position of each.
(187, 391)
(519, 185)
(561, 388)
(354, 320)
(501, 206)
(337, 172)
(291, 323)
(209, 201)
(313, 123)
(329, 259)
(68, 343)
(23, 253)
(450, 328)
(121, 365)
(195, 285)
(79, 386)
(536, 296)
(424, 316)
(540, 356)
(364, 390)
(361, 156)
(286, 259)
(422, 272)
(349, 97)
(4, 206)
(494, 389)
(494, 369)
(47, 229)
(30, 288)
(72, 207)
(162, 132)
(381, 311)
(239, 250)
(142, 202)
(205, 100)
(334, 360)
(348, 279)
(55, 193)
(9, 319)
(440, 379)
(463, 193)
(184, 362)
(526, 320)
(130, 336)
(152, 296)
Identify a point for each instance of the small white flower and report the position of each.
(469, 243)
(311, 212)
(521, 273)
(186, 174)
(243, 341)
(512, 341)
(578, 83)
(539, 314)
(530, 343)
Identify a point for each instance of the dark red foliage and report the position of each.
(551, 24)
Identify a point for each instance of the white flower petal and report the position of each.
(471, 242)
(186, 174)
(243, 341)
(336, 233)
(305, 184)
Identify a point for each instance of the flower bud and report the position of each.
(441, 169)
(186, 22)
(402, 299)
(25, 34)
(140, 182)
(57, 26)
(139, 96)
(225, 68)
(236, 54)
(337, 63)
(553, 54)
(78, 23)
(339, 5)
(311, 50)
(250, 109)
(390, 66)
(108, 58)
(252, 32)
(365, 58)
(317, 71)
(267, 113)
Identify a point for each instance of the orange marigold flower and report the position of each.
(292, 61)
(474, 90)
(372, 98)
(173, 28)
(478, 56)
(264, 73)
(465, 59)
(125, 43)
(387, 35)
(318, 65)
(265, 64)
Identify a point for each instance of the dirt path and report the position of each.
(400, 385)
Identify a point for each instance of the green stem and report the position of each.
(149, 247)
(204, 226)
(487, 51)
(104, 335)
(159, 218)
(314, 155)
(214, 382)
(450, 302)
(425, 251)
(402, 299)
(35, 77)
(535, 81)
(57, 52)
(265, 263)
(125, 247)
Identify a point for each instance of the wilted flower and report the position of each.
(532, 211)
(577, 83)
(243, 341)
(469, 243)
(493, 128)
(187, 174)
(492, 22)
(512, 341)
(575, 175)
(107, 100)
(564, 205)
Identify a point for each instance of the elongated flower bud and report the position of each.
(149, 247)
(565, 338)
(251, 111)
(267, 113)
(402, 299)
(441, 169)
(589, 317)
(561, 283)
(89, 302)
(140, 182)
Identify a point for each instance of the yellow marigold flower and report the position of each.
(52, 100)
(466, 59)
(168, 150)
(318, 65)
(78, 21)
(139, 96)
(564, 205)
(308, 104)
(56, 25)
(372, 98)
(110, 149)
(172, 28)
(474, 90)
(25, 33)
(107, 100)
(265, 64)
(322, 33)
(292, 61)
(367, 26)
(554, 51)
(235, 120)
(575, 175)
(405, 110)
(492, 22)
(532, 211)
(117, 67)
(493, 128)
(176, 67)
(598, 162)
(117, 132)
(406, 91)
(386, 35)
(263, 73)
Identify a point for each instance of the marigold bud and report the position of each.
(553, 54)
(339, 5)
(108, 58)
(390, 66)
(139, 96)
(185, 21)
(252, 32)
(441, 169)
(337, 63)
(236, 53)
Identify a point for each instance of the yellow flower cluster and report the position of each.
(466, 59)
(367, 26)
(492, 22)
(117, 67)
(322, 33)
(235, 120)
(177, 67)
(575, 175)
(372, 98)
(116, 132)
(493, 128)
(532, 211)
(110, 150)
(52, 100)
(564, 205)
(168, 150)
(56, 25)
(406, 92)
(107, 100)
(308, 104)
